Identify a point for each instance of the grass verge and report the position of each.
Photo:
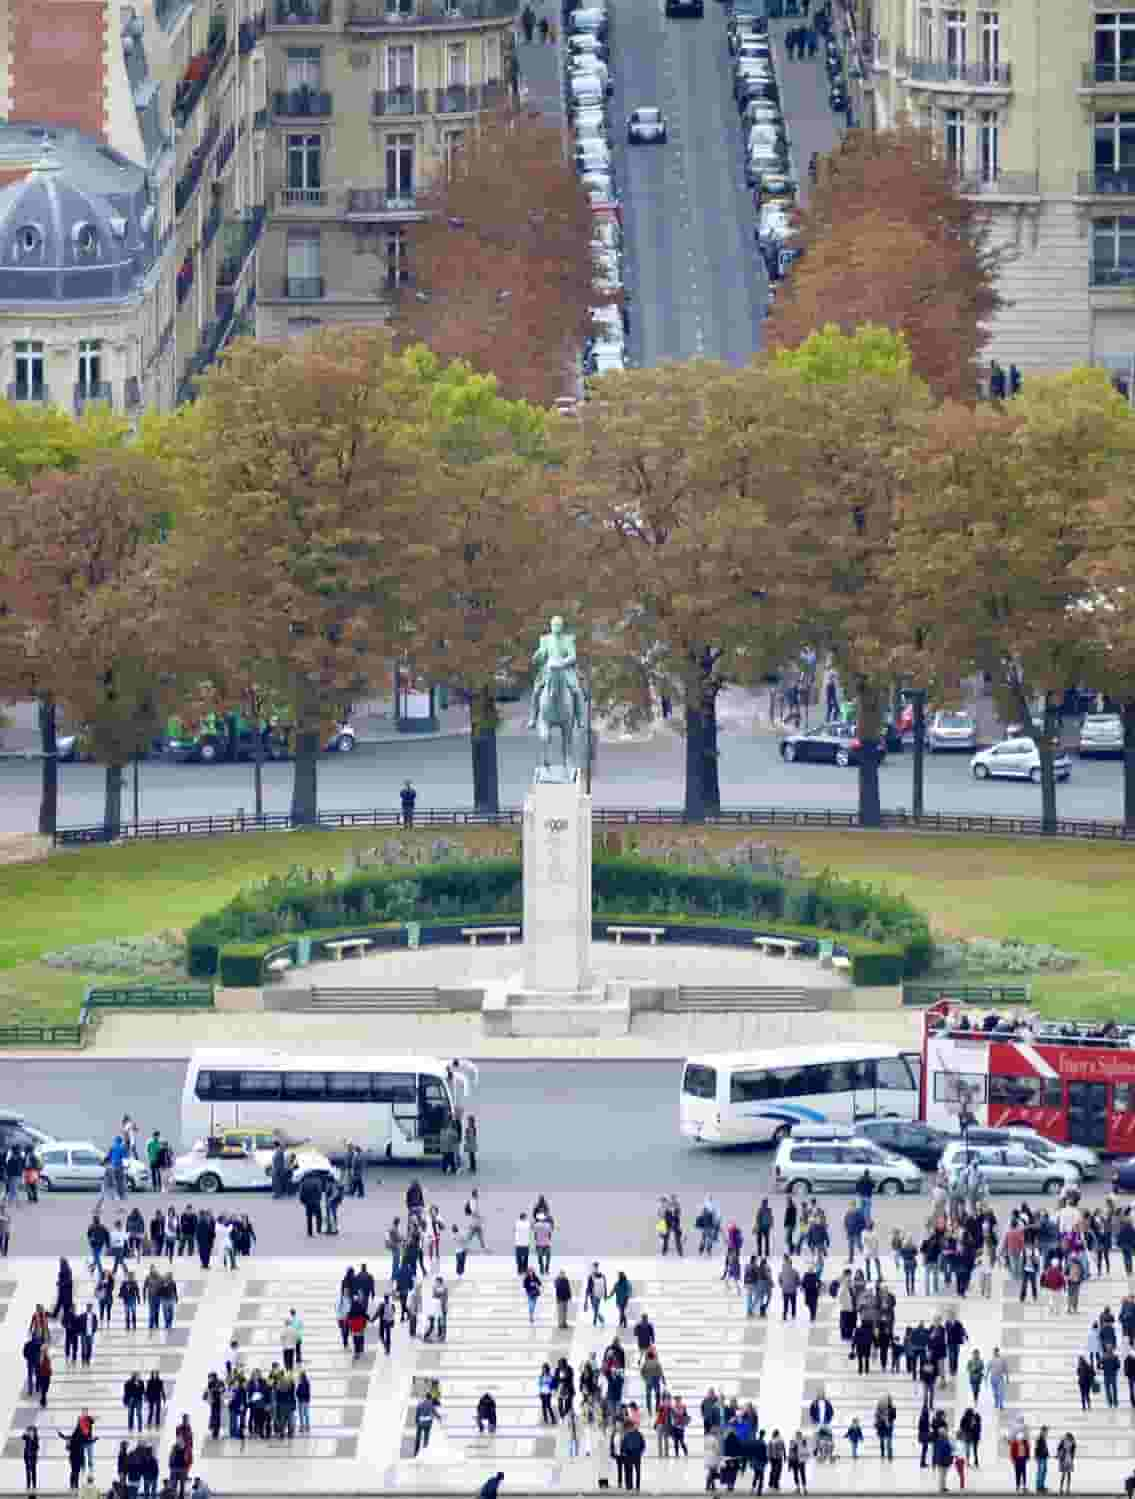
(1078, 896)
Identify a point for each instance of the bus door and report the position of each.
(1087, 1114)
(864, 1104)
(435, 1111)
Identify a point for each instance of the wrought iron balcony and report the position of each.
(379, 15)
(465, 98)
(1105, 183)
(187, 182)
(301, 103)
(942, 71)
(228, 272)
(1103, 74)
(400, 101)
(306, 202)
(302, 13)
(1103, 274)
(377, 203)
(303, 288)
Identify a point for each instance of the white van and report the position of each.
(807, 1165)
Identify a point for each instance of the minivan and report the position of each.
(805, 1165)
(1010, 1169)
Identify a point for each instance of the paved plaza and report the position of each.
(362, 1410)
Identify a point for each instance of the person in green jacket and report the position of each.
(155, 1151)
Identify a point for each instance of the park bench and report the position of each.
(842, 963)
(778, 947)
(472, 933)
(341, 945)
(619, 932)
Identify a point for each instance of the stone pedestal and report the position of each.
(557, 886)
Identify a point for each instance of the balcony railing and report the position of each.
(228, 272)
(187, 182)
(1097, 73)
(1105, 183)
(303, 288)
(303, 13)
(1112, 275)
(1004, 185)
(400, 101)
(465, 98)
(212, 224)
(301, 103)
(371, 15)
(92, 390)
(307, 200)
(376, 202)
(971, 74)
(21, 390)
(225, 150)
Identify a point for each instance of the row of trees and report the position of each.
(329, 508)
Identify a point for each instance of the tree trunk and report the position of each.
(483, 721)
(112, 808)
(258, 773)
(918, 769)
(695, 762)
(1129, 764)
(869, 723)
(1047, 748)
(711, 775)
(305, 777)
(49, 776)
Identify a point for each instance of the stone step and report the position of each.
(749, 998)
(392, 1001)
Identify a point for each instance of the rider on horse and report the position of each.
(556, 651)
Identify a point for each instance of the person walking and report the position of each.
(762, 1228)
(1019, 1453)
(311, 1199)
(632, 1447)
(777, 1452)
(522, 1239)
(562, 1287)
(1040, 1457)
(1066, 1461)
(623, 1291)
(31, 1458)
(969, 1432)
(408, 798)
(943, 1458)
(469, 1146)
(798, 1462)
(595, 1294)
(998, 1378)
(789, 1284)
(532, 1285)
(1085, 1378)
(424, 1413)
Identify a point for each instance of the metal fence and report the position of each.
(734, 817)
(41, 1035)
(965, 994)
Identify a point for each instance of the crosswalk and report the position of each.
(362, 1411)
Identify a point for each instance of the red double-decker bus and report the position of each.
(1072, 1082)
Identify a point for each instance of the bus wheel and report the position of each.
(891, 1188)
(781, 1134)
(799, 1188)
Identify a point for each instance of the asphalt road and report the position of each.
(696, 289)
(626, 775)
(599, 1139)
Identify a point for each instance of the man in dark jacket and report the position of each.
(811, 1285)
(311, 1196)
(633, 1446)
(133, 1393)
(956, 1335)
(644, 1335)
(279, 1171)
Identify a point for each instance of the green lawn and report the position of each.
(1078, 896)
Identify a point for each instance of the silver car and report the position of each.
(1012, 1169)
(1101, 734)
(808, 1165)
(951, 730)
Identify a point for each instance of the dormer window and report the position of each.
(29, 242)
(86, 240)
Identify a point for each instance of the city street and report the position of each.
(621, 1121)
(633, 774)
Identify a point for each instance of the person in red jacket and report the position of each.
(1019, 1453)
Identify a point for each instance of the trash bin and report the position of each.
(827, 952)
(303, 951)
(413, 934)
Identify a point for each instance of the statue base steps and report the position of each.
(509, 1008)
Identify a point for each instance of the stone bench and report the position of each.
(619, 932)
(778, 947)
(843, 964)
(278, 965)
(347, 944)
(472, 933)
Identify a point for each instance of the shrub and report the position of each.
(163, 952)
(983, 955)
(242, 964)
(871, 969)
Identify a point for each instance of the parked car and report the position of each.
(70, 1164)
(1101, 734)
(236, 1165)
(1123, 1177)
(951, 729)
(646, 126)
(805, 1166)
(1086, 1161)
(920, 1143)
(15, 1129)
(1010, 1169)
(1016, 759)
(832, 743)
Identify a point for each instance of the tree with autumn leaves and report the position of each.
(890, 241)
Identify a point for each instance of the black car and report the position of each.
(834, 743)
(920, 1143)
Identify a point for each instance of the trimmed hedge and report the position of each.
(242, 963)
(824, 907)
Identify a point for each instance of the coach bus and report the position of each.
(393, 1108)
(737, 1098)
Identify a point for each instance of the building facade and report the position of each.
(368, 100)
(132, 195)
(1034, 102)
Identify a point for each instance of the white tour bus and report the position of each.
(392, 1107)
(735, 1098)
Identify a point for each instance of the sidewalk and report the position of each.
(541, 83)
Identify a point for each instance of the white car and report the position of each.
(1016, 759)
(951, 729)
(646, 126)
(1014, 1169)
(70, 1164)
(206, 1168)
